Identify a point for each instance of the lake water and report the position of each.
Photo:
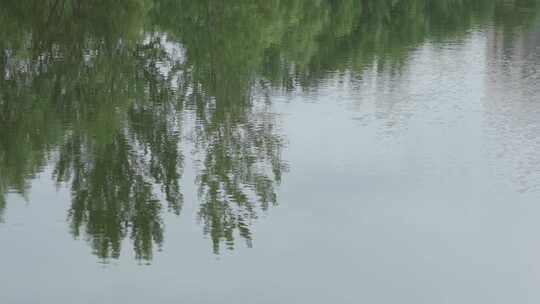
(354, 151)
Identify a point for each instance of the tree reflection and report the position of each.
(77, 94)
(104, 90)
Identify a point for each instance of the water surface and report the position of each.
(246, 151)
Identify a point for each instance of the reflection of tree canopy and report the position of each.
(97, 88)
(80, 92)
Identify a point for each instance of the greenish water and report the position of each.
(175, 151)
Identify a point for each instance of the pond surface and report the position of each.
(354, 151)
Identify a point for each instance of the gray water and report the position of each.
(247, 152)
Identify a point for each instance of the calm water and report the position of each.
(353, 151)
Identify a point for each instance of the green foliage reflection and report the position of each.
(103, 91)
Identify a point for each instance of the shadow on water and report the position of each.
(104, 91)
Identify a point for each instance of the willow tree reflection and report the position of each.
(127, 143)
(90, 88)
(236, 140)
(104, 91)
